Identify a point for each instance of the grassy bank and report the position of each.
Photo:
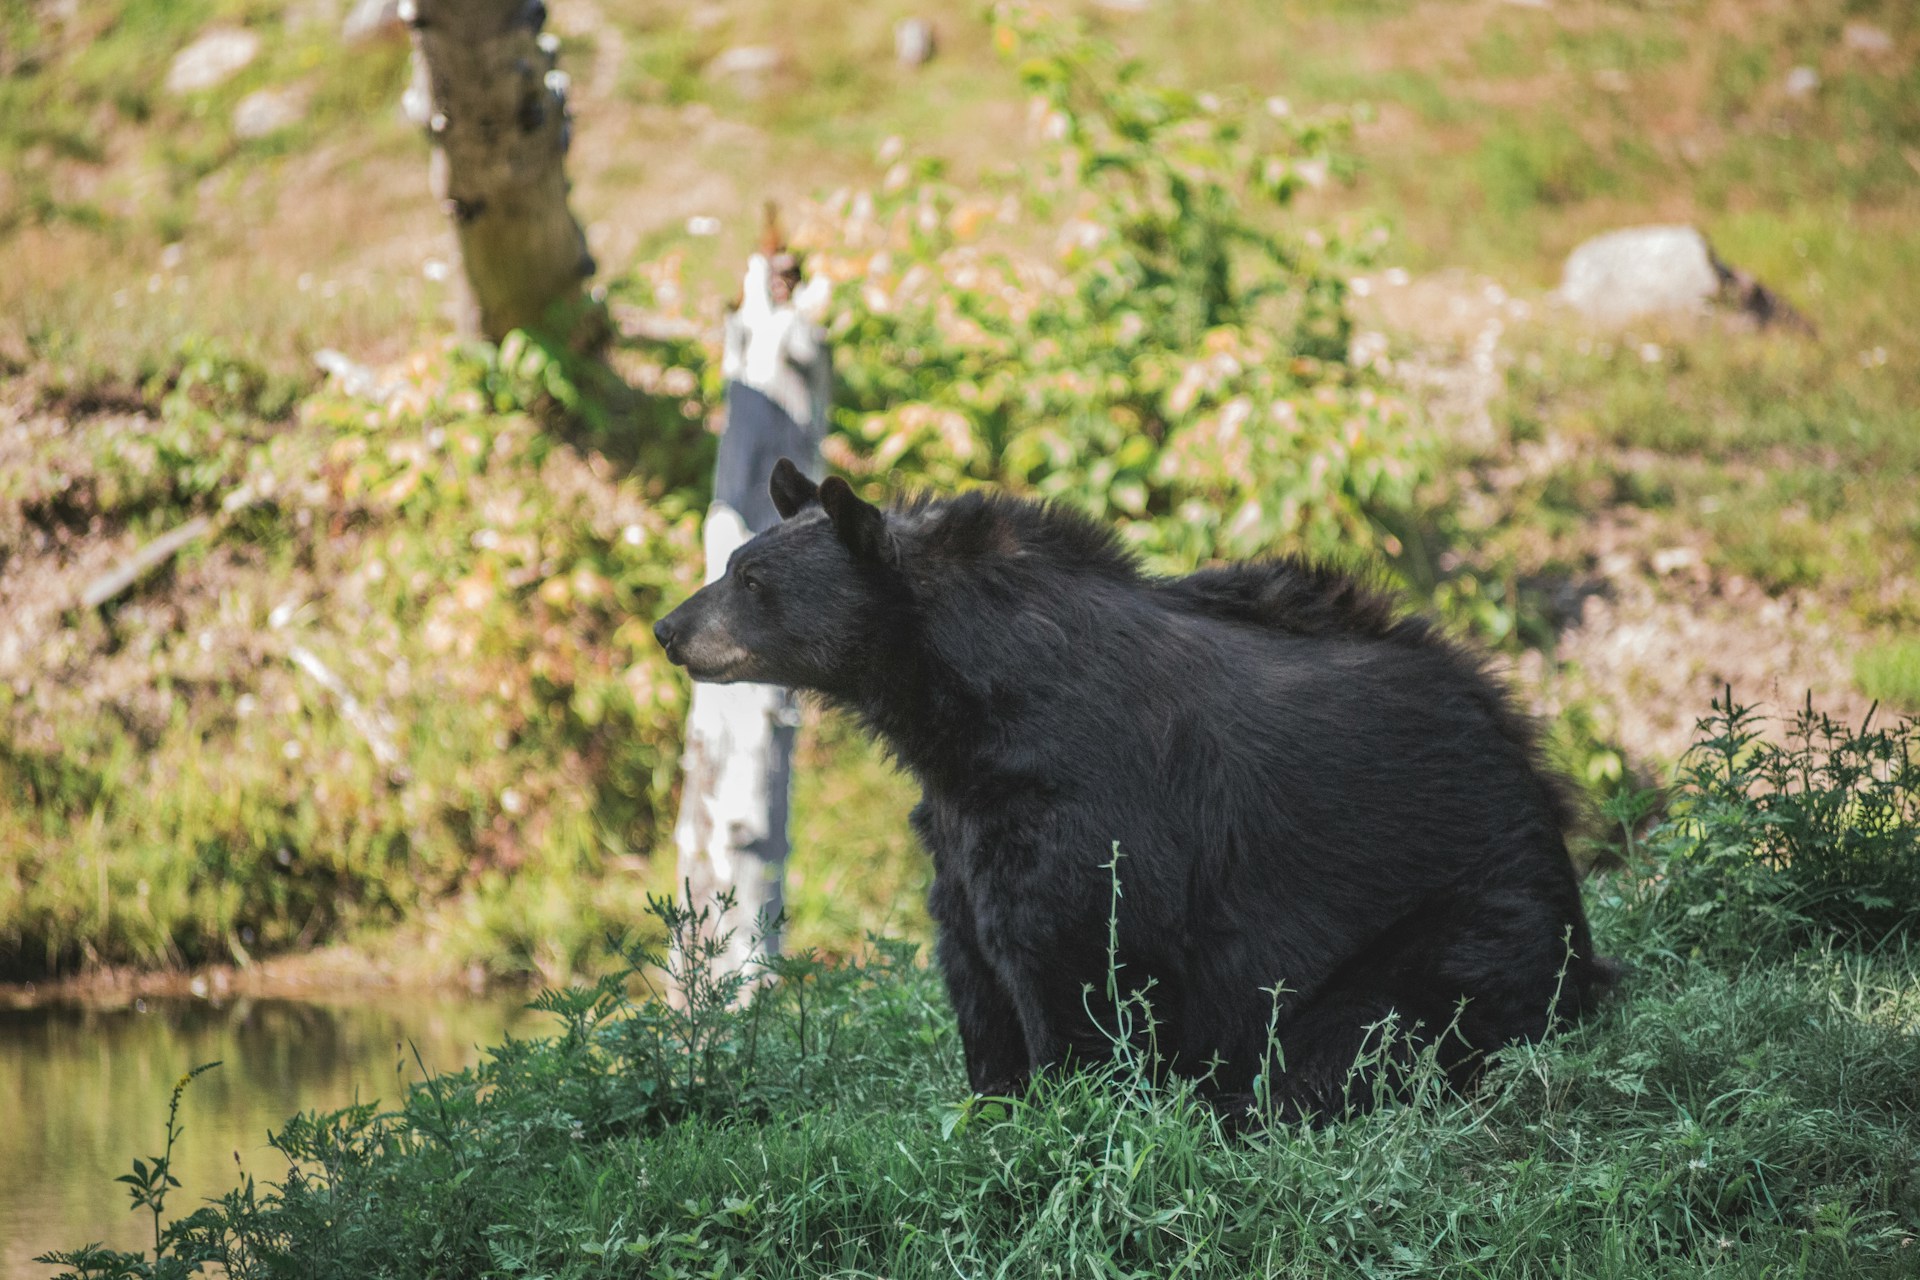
(1745, 1107)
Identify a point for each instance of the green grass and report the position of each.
(1788, 460)
(1890, 673)
(101, 168)
(1743, 1108)
(1710, 1126)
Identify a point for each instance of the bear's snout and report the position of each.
(696, 636)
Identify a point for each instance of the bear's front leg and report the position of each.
(996, 1049)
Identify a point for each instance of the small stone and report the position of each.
(1673, 559)
(1864, 37)
(213, 59)
(1124, 6)
(304, 15)
(372, 19)
(267, 111)
(746, 60)
(1802, 82)
(913, 42)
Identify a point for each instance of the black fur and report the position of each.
(1309, 791)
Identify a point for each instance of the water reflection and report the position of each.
(83, 1090)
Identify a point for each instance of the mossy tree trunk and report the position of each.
(496, 110)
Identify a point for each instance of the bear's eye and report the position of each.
(750, 582)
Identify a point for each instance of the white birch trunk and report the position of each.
(731, 834)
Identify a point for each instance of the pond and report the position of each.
(84, 1088)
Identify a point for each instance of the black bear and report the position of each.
(1335, 833)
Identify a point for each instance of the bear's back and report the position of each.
(1336, 623)
(1045, 610)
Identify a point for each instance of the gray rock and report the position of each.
(266, 111)
(1802, 82)
(372, 19)
(913, 42)
(1640, 271)
(213, 59)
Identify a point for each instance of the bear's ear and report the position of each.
(861, 525)
(792, 491)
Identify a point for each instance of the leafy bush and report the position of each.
(1177, 363)
(1771, 847)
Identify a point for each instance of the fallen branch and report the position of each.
(142, 562)
(115, 581)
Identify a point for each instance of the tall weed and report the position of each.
(1769, 847)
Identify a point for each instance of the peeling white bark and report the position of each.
(732, 830)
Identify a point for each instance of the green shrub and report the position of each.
(1176, 364)
(1769, 847)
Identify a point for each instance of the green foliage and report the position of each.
(1179, 366)
(148, 1186)
(1769, 847)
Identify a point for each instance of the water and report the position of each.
(83, 1090)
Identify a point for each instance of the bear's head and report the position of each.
(803, 604)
